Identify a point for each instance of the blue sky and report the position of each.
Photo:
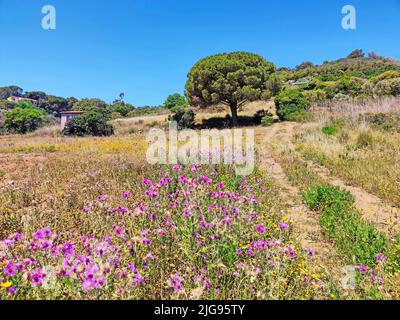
(146, 47)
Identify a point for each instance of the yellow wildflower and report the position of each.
(6, 284)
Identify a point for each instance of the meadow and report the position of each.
(88, 218)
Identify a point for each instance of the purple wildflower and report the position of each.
(175, 282)
(362, 268)
(380, 257)
(260, 229)
(284, 226)
(126, 194)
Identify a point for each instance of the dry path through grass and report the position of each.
(385, 217)
(304, 222)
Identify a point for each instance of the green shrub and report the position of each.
(355, 238)
(122, 108)
(267, 121)
(330, 130)
(6, 105)
(185, 117)
(324, 196)
(260, 114)
(290, 101)
(175, 100)
(91, 123)
(24, 118)
(299, 116)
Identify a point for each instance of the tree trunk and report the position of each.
(233, 106)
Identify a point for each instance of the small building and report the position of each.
(66, 116)
(292, 83)
(16, 99)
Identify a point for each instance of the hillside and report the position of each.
(355, 75)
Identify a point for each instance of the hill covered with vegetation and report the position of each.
(356, 75)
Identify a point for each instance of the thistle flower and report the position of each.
(260, 229)
(126, 195)
(37, 277)
(43, 233)
(206, 179)
(310, 252)
(147, 182)
(102, 197)
(175, 282)
(283, 226)
(380, 257)
(10, 270)
(362, 268)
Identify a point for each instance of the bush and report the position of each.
(175, 100)
(299, 116)
(315, 95)
(260, 114)
(324, 196)
(183, 116)
(267, 121)
(290, 101)
(91, 123)
(122, 108)
(383, 88)
(6, 105)
(116, 115)
(24, 118)
(330, 130)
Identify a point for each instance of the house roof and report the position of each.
(72, 112)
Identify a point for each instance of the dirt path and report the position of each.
(305, 225)
(385, 217)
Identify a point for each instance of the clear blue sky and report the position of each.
(146, 47)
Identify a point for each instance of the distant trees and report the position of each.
(6, 105)
(352, 77)
(229, 78)
(91, 123)
(24, 118)
(175, 100)
(304, 65)
(36, 95)
(185, 117)
(90, 104)
(373, 55)
(55, 105)
(358, 53)
(121, 108)
(6, 92)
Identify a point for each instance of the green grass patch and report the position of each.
(355, 238)
(330, 130)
